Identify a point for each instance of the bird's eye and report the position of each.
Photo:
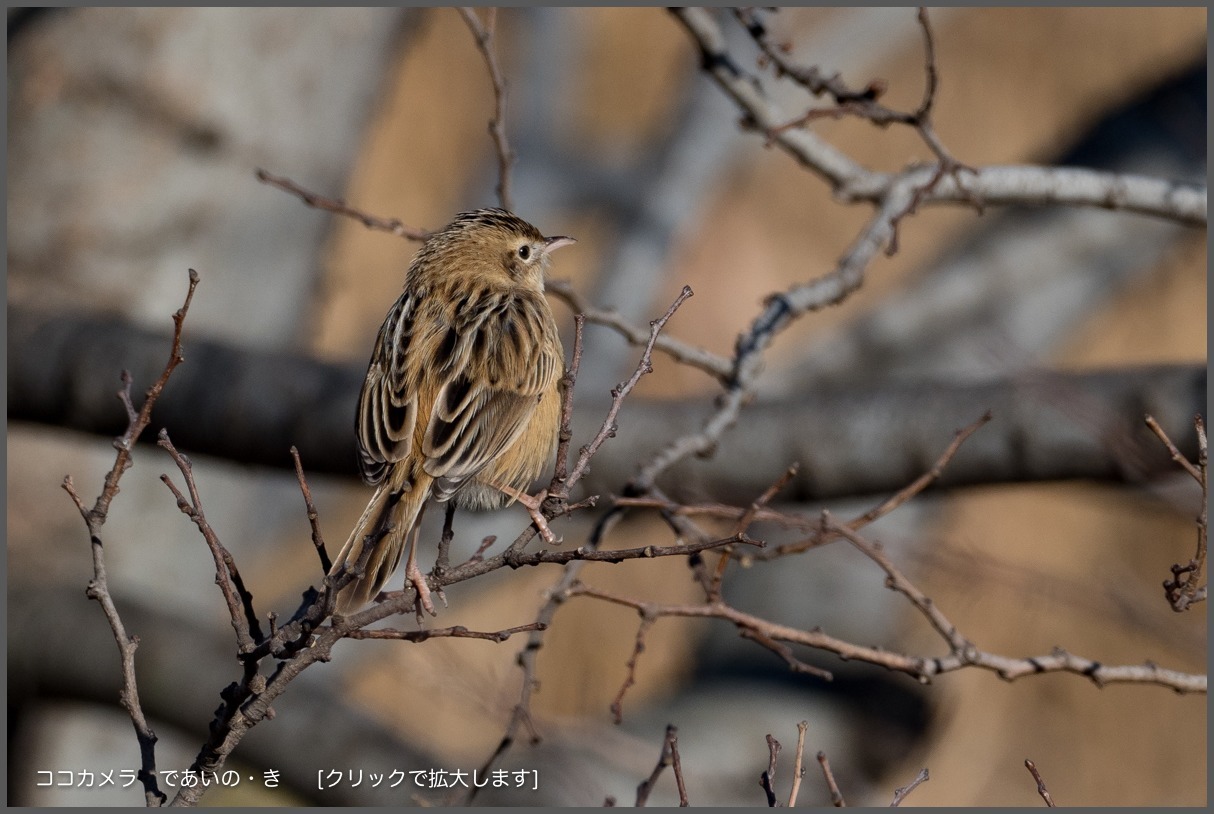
(524, 251)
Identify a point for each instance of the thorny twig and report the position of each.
(456, 632)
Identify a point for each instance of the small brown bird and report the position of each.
(461, 398)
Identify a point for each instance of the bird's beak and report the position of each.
(553, 243)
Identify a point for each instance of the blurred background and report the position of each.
(133, 139)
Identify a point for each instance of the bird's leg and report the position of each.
(414, 575)
(442, 562)
(532, 505)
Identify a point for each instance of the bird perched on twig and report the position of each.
(461, 399)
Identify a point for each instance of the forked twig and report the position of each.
(94, 519)
(668, 757)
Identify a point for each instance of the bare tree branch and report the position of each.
(1041, 789)
(1181, 590)
(768, 779)
(94, 519)
(836, 796)
(798, 769)
(852, 183)
(484, 35)
(922, 668)
(340, 207)
(900, 794)
(669, 757)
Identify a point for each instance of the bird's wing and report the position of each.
(387, 404)
(497, 362)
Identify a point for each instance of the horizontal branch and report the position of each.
(62, 372)
(922, 668)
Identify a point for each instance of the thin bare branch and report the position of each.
(340, 207)
(901, 793)
(668, 757)
(768, 779)
(318, 539)
(621, 391)
(484, 36)
(227, 576)
(836, 796)
(1181, 590)
(922, 668)
(1041, 789)
(95, 518)
(456, 632)
(560, 473)
(798, 768)
(785, 653)
(617, 704)
(680, 351)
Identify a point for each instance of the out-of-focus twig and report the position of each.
(484, 34)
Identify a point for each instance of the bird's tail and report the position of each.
(385, 525)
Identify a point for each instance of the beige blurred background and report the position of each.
(1020, 568)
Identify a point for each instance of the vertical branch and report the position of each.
(99, 590)
(669, 757)
(768, 779)
(227, 575)
(923, 114)
(318, 541)
(1181, 590)
(560, 475)
(484, 35)
(94, 519)
(798, 768)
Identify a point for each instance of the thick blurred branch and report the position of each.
(252, 407)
